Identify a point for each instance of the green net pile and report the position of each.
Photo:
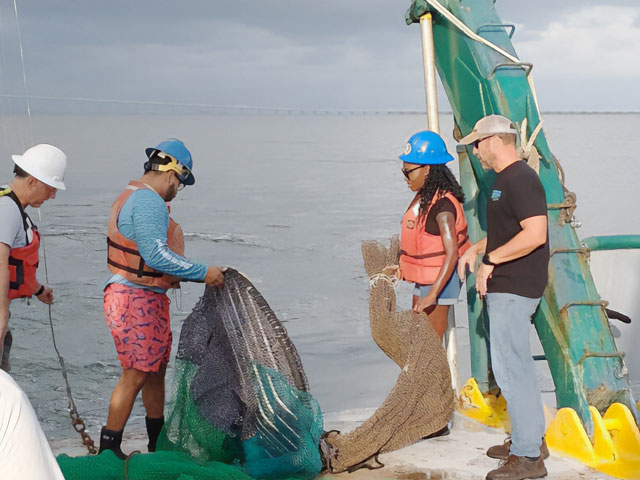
(242, 407)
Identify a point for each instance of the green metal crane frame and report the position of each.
(571, 322)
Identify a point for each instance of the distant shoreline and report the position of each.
(231, 111)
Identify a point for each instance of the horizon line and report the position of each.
(288, 110)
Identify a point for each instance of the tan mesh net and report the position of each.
(421, 402)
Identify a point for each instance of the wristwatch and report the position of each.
(486, 261)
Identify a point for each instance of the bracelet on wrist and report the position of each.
(487, 261)
(39, 291)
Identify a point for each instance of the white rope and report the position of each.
(526, 146)
(179, 302)
(391, 280)
(474, 36)
(24, 77)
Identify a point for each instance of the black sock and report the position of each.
(154, 426)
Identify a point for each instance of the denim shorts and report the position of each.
(450, 293)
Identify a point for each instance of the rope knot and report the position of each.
(391, 280)
(527, 149)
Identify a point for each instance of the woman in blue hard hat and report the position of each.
(434, 229)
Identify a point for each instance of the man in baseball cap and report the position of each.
(511, 279)
(489, 126)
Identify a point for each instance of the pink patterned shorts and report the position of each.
(139, 322)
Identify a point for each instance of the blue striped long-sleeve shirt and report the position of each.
(144, 218)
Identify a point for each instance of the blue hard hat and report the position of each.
(176, 149)
(426, 148)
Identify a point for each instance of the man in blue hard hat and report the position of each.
(512, 277)
(145, 254)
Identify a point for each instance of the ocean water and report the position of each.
(287, 200)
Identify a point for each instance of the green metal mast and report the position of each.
(571, 322)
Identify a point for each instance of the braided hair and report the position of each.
(440, 180)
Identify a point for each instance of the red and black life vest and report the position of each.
(23, 261)
(422, 254)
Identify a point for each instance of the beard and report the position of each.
(171, 193)
(486, 161)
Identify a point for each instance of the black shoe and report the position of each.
(111, 440)
(154, 426)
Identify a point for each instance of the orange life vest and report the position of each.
(123, 256)
(422, 254)
(23, 261)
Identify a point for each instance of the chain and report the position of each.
(76, 421)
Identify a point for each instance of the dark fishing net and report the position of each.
(241, 375)
(242, 408)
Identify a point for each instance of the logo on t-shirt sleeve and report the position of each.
(495, 195)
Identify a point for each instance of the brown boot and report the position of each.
(502, 451)
(518, 468)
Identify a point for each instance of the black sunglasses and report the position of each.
(477, 142)
(406, 173)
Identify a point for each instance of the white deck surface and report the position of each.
(459, 455)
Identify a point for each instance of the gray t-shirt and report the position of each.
(12, 227)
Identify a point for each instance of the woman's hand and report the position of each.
(425, 302)
(392, 271)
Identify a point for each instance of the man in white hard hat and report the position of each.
(512, 277)
(39, 173)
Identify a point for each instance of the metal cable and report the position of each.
(76, 421)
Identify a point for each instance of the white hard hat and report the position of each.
(44, 162)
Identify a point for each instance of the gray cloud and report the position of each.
(335, 54)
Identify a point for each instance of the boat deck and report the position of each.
(459, 455)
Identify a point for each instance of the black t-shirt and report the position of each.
(516, 195)
(442, 205)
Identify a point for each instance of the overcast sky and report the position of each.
(330, 54)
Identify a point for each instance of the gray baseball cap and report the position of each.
(489, 126)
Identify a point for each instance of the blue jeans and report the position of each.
(449, 294)
(514, 369)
